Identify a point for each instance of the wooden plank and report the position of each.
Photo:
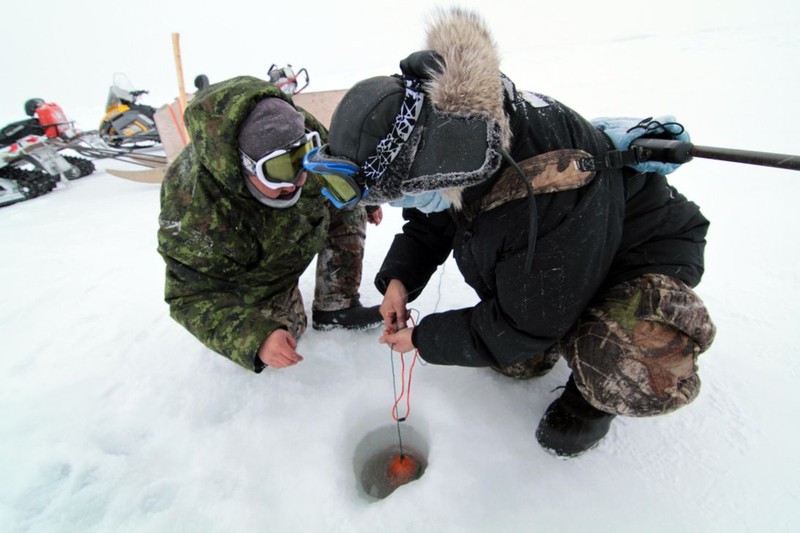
(152, 175)
(321, 104)
(169, 123)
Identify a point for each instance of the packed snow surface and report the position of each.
(114, 418)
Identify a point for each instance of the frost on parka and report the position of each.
(228, 256)
(613, 229)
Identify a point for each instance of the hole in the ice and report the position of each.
(379, 466)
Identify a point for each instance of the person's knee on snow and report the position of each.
(635, 353)
(536, 366)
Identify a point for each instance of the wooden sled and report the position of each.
(151, 175)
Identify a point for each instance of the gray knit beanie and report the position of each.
(273, 123)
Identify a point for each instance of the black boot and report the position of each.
(571, 426)
(355, 317)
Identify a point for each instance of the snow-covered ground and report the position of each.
(113, 418)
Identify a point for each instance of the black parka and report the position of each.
(619, 226)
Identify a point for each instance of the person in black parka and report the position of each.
(570, 256)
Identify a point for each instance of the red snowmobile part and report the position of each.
(53, 120)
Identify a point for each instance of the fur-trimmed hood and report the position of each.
(469, 82)
(439, 127)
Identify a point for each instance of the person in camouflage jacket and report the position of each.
(233, 263)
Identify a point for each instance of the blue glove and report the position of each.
(624, 130)
(427, 202)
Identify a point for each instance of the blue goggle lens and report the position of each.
(336, 177)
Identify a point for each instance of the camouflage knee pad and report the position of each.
(536, 366)
(635, 352)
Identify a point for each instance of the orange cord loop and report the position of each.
(405, 390)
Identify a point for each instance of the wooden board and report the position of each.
(321, 104)
(169, 123)
(152, 175)
(173, 135)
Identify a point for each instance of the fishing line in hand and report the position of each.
(405, 386)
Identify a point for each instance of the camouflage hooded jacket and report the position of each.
(229, 257)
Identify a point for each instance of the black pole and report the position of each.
(682, 152)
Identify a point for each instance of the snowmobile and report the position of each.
(128, 123)
(30, 162)
(48, 120)
(287, 80)
(30, 167)
(283, 77)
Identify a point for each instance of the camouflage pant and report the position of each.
(290, 311)
(635, 352)
(338, 275)
(339, 263)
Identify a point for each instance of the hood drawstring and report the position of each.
(532, 222)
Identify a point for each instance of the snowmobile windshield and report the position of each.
(121, 91)
(113, 101)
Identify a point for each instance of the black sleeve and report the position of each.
(523, 313)
(425, 243)
(526, 316)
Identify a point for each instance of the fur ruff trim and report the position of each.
(470, 81)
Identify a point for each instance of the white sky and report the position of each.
(67, 51)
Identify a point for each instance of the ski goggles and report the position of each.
(337, 176)
(283, 167)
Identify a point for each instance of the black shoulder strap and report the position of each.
(614, 159)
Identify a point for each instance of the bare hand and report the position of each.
(399, 341)
(393, 309)
(376, 216)
(278, 350)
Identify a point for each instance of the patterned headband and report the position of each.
(375, 166)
